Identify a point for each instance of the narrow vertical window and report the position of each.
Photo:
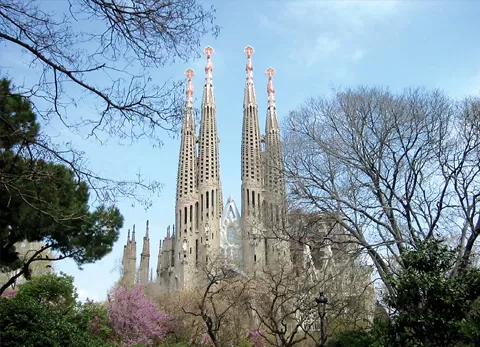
(196, 249)
(213, 203)
(196, 215)
(201, 206)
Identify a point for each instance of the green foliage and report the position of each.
(352, 338)
(56, 290)
(18, 120)
(434, 306)
(45, 313)
(41, 200)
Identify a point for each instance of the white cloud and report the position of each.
(357, 55)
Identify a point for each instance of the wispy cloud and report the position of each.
(328, 32)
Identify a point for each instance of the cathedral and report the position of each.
(205, 229)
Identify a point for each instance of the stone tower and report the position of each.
(187, 201)
(144, 269)
(199, 202)
(207, 240)
(274, 205)
(252, 176)
(129, 260)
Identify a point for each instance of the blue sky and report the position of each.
(313, 46)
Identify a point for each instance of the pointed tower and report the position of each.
(252, 179)
(273, 165)
(129, 260)
(145, 259)
(187, 201)
(207, 241)
(274, 207)
(159, 264)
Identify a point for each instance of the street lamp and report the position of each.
(322, 302)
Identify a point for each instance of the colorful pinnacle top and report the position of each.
(249, 68)
(189, 73)
(209, 67)
(270, 72)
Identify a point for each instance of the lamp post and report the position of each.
(322, 302)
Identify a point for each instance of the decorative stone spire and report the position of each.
(189, 73)
(208, 97)
(133, 234)
(250, 98)
(209, 67)
(249, 67)
(270, 72)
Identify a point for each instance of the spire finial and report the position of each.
(209, 67)
(168, 231)
(133, 233)
(128, 237)
(189, 73)
(249, 68)
(147, 229)
(270, 72)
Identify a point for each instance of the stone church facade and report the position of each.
(205, 229)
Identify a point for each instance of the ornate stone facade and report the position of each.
(205, 230)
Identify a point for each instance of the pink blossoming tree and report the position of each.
(136, 320)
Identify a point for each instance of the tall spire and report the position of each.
(210, 205)
(187, 158)
(145, 258)
(252, 179)
(250, 98)
(129, 259)
(274, 168)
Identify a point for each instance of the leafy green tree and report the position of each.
(431, 306)
(43, 201)
(45, 313)
(351, 338)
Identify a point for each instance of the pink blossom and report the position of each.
(10, 293)
(206, 340)
(134, 319)
(256, 338)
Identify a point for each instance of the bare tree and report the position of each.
(282, 299)
(218, 300)
(98, 53)
(395, 169)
